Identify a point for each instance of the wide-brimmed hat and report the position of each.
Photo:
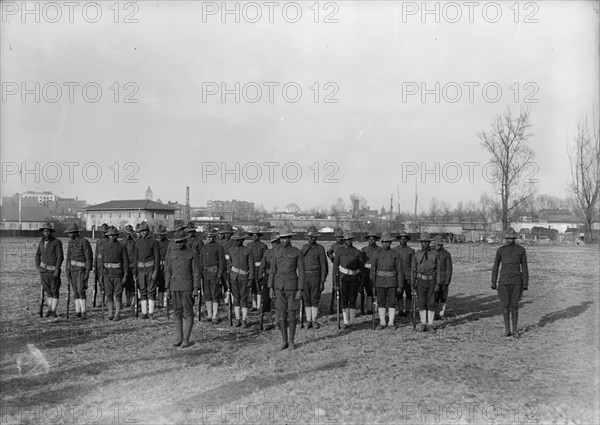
(338, 232)
(112, 231)
(48, 226)
(143, 226)
(226, 229)
(191, 227)
(275, 236)
(438, 240)
(348, 235)
(211, 232)
(128, 229)
(372, 234)
(180, 236)
(239, 234)
(386, 237)
(72, 228)
(312, 231)
(286, 232)
(162, 230)
(255, 232)
(103, 228)
(425, 237)
(511, 234)
(403, 234)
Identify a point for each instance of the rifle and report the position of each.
(337, 278)
(168, 291)
(199, 303)
(362, 298)
(261, 309)
(373, 305)
(68, 291)
(135, 294)
(301, 313)
(42, 303)
(229, 299)
(95, 288)
(414, 309)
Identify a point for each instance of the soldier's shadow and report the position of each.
(567, 313)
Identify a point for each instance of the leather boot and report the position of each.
(292, 325)
(118, 310)
(109, 306)
(283, 326)
(187, 331)
(506, 315)
(515, 320)
(178, 331)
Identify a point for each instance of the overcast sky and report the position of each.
(366, 69)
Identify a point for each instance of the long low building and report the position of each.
(135, 211)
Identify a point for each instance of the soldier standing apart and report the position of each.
(348, 265)
(338, 234)
(182, 281)
(241, 274)
(386, 272)
(404, 286)
(147, 263)
(48, 261)
(115, 265)
(264, 270)
(212, 267)
(163, 246)
(316, 270)
(258, 249)
(368, 255)
(227, 243)
(129, 244)
(286, 284)
(511, 259)
(425, 278)
(446, 274)
(98, 261)
(79, 264)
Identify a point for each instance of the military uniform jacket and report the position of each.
(114, 252)
(242, 260)
(265, 263)
(212, 260)
(425, 263)
(445, 266)
(195, 243)
(333, 249)
(287, 269)
(368, 255)
(258, 250)
(514, 269)
(129, 245)
(315, 261)
(387, 261)
(50, 254)
(80, 251)
(163, 246)
(146, 252)
(349, 258)
(98, 262)
(406, 256)
(182, 270)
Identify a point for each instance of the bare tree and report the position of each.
(584, 154)
(511, 157)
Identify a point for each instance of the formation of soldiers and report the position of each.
(155, 273)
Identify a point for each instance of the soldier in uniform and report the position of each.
(79, 265)
(48, 261)
(385, 272)
(368, 255)
(129, 244)
(163, 246)
(263, 271)
(258, 249)
(426, 276)
(347, 265)
(404, 287)
(338, 234)
(316, 270)
(182, 281)
(241, 273)
(446, 274)
(212, 267)
(195, 241)
(286, 284)
(512, 280)
(227, 243)
(147, 263)
(98, 262)
(115, 264)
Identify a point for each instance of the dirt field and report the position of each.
(95, 371)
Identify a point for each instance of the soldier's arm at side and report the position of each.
(496, 266)
(301, 274)
(251, 266)
(60, 255)
(38, 257)
(448, 268)
(272, 272)
(524, 270)
(89, 255)
(197, 276)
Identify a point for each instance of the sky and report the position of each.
(264, 104)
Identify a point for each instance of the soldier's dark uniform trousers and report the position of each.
(426, 277)
(511, 272)
(79, 265)
(348, 266)
(182, 281)
(212, 266)
(115, 263)
(316, 270)
(241, 273)
(48, 261)
(286, 279)
(404, 294)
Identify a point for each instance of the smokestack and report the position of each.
(187, 204)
